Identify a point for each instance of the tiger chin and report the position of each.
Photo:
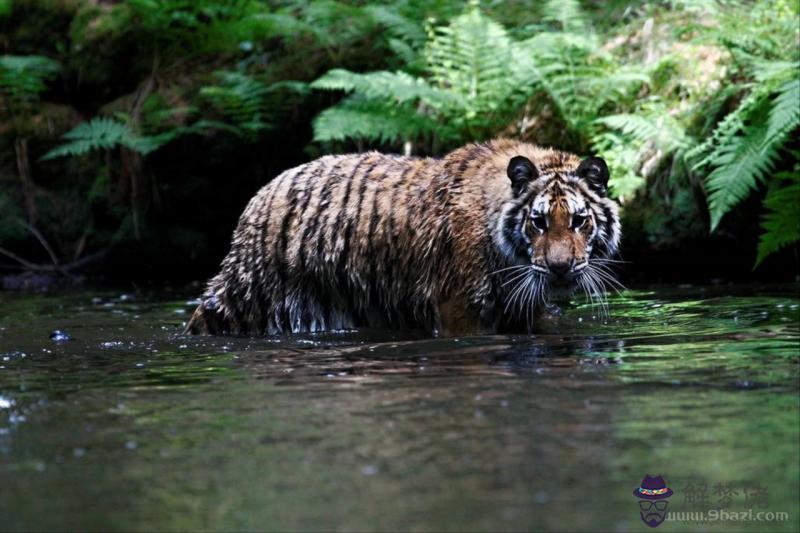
(475, 242)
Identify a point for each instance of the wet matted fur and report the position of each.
(473, 242)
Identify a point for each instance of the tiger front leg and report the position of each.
(457, 316)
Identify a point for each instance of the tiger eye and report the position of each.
(539, 222)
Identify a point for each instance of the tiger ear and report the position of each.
(521, 171)
(595, 171)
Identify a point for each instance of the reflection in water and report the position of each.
(132, 426)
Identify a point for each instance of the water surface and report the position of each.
(132, 426)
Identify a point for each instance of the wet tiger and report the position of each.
(473, 242)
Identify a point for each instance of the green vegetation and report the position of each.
(125, 124)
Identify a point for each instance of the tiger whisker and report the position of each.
(515, 276)
(514, 267)
(605, 275)
(517, 288)
(608, 260)
(594, 287)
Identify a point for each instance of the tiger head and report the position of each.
(558, 231)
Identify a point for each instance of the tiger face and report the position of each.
(559, 230)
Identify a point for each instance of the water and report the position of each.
(131, 426)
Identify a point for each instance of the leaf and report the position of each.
(743, 160)
(785, 113)
(740, 166)
(248, 105)
(381, 85)
(103, 133)
(656, 127)
(781, 224)
(356, 118)
(23, 78)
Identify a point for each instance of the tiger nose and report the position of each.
(559, 268)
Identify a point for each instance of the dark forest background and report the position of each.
(132, 133)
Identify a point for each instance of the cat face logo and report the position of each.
(653, 494)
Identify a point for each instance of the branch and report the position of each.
(41, 240)
(20, 260)
(61, 269)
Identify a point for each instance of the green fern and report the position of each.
(785, 113)
(240, 99)
(405, 37)
(474, 78)
(472, 58)
(725, 131)
(103, 133)
(246, 105)
(652, 133)
(24, 78)
(579, 80)
(397, 87)
(622, 158)
(372, 120)
(186, 28)
(567, 15)
(780, 224)
(750, 138)
(740, 166)
(655, 126)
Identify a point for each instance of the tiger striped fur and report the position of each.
(472, 242)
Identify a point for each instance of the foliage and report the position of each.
(735, 152)
(475, 80)
(248, 105)
(693, 103)
(24, 78)
(746, 145)
(103, 133)
(475, 77)
(186, 27)
(781, 223)
(643, 141)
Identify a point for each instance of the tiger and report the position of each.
(474, 242)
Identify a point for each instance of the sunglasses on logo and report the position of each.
(644, 505)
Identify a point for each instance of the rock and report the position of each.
(60, 336)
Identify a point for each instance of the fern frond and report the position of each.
(622, 157)
(397, 25)
(725, 131)
(580, 81)
(248, 105)
(23, 78)
(103, 133)
(358, 118)
(780, 224)
(740, 165)
(785, 113)
(472, 57)
(398, 87)
(749, 138)
(475, 77)
(658, 127)
(237, 96)
(567, 15)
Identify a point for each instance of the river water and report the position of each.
(132, 426)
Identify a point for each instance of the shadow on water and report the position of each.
(131, 425)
